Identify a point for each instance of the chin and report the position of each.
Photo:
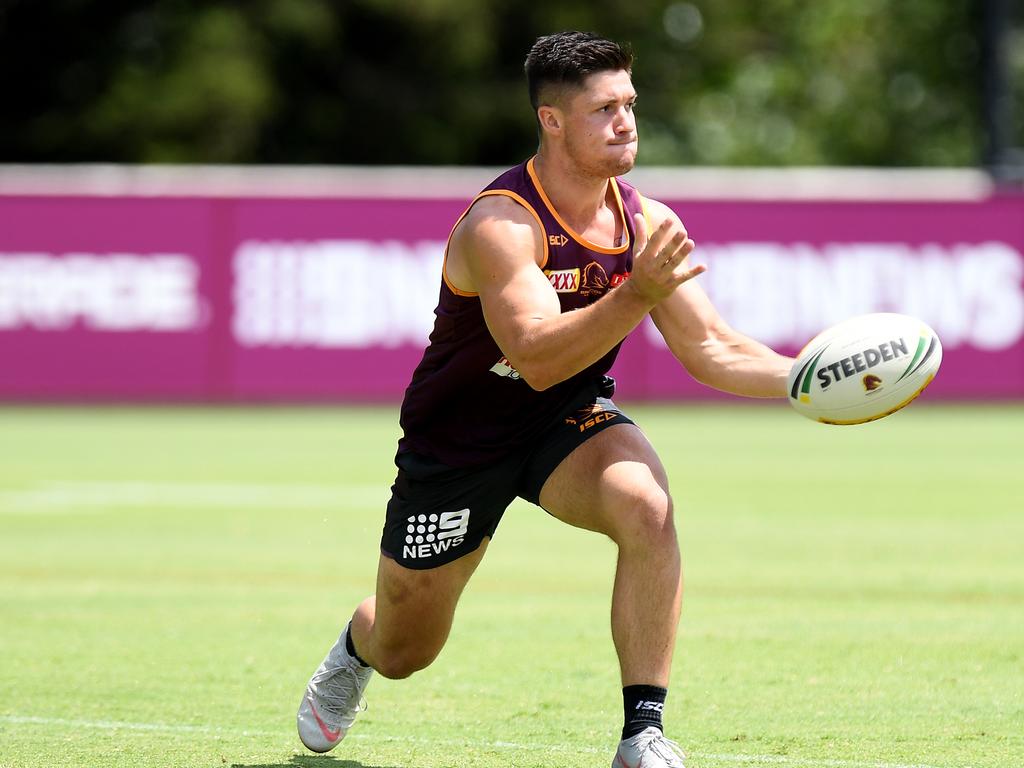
(623, 163)
(611, 160)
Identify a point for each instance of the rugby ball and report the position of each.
(864, 368)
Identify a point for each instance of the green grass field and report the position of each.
(169, 578)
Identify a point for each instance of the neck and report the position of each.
(576, 195)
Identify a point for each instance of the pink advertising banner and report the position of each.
(246, 299)
(107, 298)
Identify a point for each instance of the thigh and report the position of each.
(416, 606)
(439, 522)
(439, 514)
(580, 423)
(606, 480)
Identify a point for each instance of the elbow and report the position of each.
(692, 357)
(703, 375)
(537, 379)
(706, 359)
(535, 373)
(700, 368)
(539, 385)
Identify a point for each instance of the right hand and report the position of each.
(659, 260)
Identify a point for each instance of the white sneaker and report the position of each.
(333, 699)
(648, 749)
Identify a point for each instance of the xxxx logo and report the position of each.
(557, 240)
(564, 280)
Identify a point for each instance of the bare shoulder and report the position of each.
(498, 217)
(658, 212)
(496, 231)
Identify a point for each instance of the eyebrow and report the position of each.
(613, 99)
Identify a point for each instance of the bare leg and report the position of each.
(404, 626)
(398, 631)
(615, 484)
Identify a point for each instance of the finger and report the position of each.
(679, 259)
(640, 226)
(657, 241)
(673, 243)
(682, 275)
(676, 250)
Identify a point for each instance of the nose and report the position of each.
(624, 121)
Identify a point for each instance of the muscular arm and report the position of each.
(711, 351)
(496, 252)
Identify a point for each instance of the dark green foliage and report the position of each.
(751, 82)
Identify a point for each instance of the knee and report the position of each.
(413, 643)
(646, 520)
(399, 664)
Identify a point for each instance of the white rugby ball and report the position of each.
(864, 368)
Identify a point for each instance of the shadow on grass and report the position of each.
(314, 761)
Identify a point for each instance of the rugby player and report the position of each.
(545, 274)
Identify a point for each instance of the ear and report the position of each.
(551, 119)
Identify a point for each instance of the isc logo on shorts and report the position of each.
(590, 416)
(428, 535)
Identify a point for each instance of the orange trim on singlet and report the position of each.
(489, 193)
(572, 232)
(647, 213)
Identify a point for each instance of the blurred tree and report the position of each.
(753, 82)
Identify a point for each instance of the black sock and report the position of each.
(642, 705)
(350, 647)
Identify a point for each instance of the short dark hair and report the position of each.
(566, 58)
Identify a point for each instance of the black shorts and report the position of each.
(438, 513)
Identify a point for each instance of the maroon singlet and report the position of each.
(465, 405)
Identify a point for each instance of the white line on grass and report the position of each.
(99, 497)
(119, 725)
(750, 760)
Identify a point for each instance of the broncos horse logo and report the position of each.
(871, 382)
(594, 281)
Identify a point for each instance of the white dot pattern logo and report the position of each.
(420, 528)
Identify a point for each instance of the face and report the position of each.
(599, 128)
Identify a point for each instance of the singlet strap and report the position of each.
(491, 193)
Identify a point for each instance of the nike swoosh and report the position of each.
(327, 732)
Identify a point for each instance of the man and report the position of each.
(544, 275)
